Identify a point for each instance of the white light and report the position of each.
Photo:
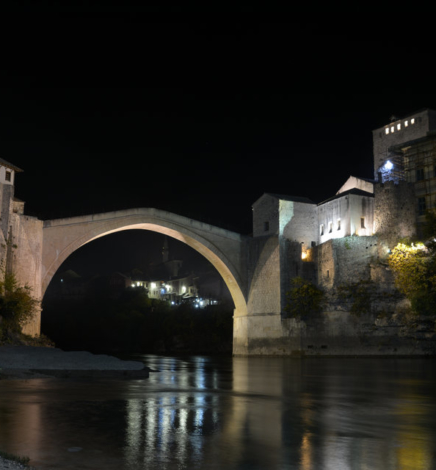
(412, 121)
(398, 126)
(387, 130)
(389, 165)
(392, 128)
(153, 285)
(406, 123)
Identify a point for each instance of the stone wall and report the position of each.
(266, 216)
(27, 255)
(263, 270)
(394, 214)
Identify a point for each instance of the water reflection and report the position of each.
(233, 413)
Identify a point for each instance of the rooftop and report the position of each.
(9, 165)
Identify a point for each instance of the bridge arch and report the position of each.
(222, 248)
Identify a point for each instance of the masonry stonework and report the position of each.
(343, 240)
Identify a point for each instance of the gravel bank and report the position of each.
(28, 362)
(11, 465)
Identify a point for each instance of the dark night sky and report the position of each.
(107, 111)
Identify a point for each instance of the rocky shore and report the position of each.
(27, 362)
(30, 362)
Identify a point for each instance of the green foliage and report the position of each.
(135, 323)
(414, 268)
(304, 298)
(15, 458)
(359, 295)
(17, 306)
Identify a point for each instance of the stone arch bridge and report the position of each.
(227, 251)
(249, 266)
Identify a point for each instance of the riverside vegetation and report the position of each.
(135, 323)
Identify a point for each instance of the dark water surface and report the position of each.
(230, 413)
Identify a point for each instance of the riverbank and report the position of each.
(26, 362)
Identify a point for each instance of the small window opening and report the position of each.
(406, 123)
(412, 121)
(265, 226)
(328, 273)
(339, 224)
(387, 130)
(8, 176)
(322, 229)
(419, 174)
(330, 227)
(362, 222)
(399, 127)
(312, 244)
(421, 206)
(393, 129)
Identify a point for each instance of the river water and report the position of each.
(228, 413)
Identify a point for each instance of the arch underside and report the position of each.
(198, 242)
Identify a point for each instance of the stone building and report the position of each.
(20, 237)
(405, 150)
(379, 210)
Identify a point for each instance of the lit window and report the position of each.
(406, 123)
(8, 176)
(392, 128)
(399, 126)
(412, 121)
(387, 130)
(421, 206)
(322, 229)
(362, 222)
(419, 174)
(339, 224)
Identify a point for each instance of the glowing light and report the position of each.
(389, 165)
(153, 285)
(392, 128)
(406, 123)
(387, 130)
(412, 121)
(183, 289)
(398, 126)
(303, 255)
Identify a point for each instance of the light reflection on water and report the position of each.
(232, 413)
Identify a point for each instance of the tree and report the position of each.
(414, 269)
(304, 298)
(17, 306)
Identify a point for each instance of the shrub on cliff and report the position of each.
(414, 269)
(17, 305)
(304, 298)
